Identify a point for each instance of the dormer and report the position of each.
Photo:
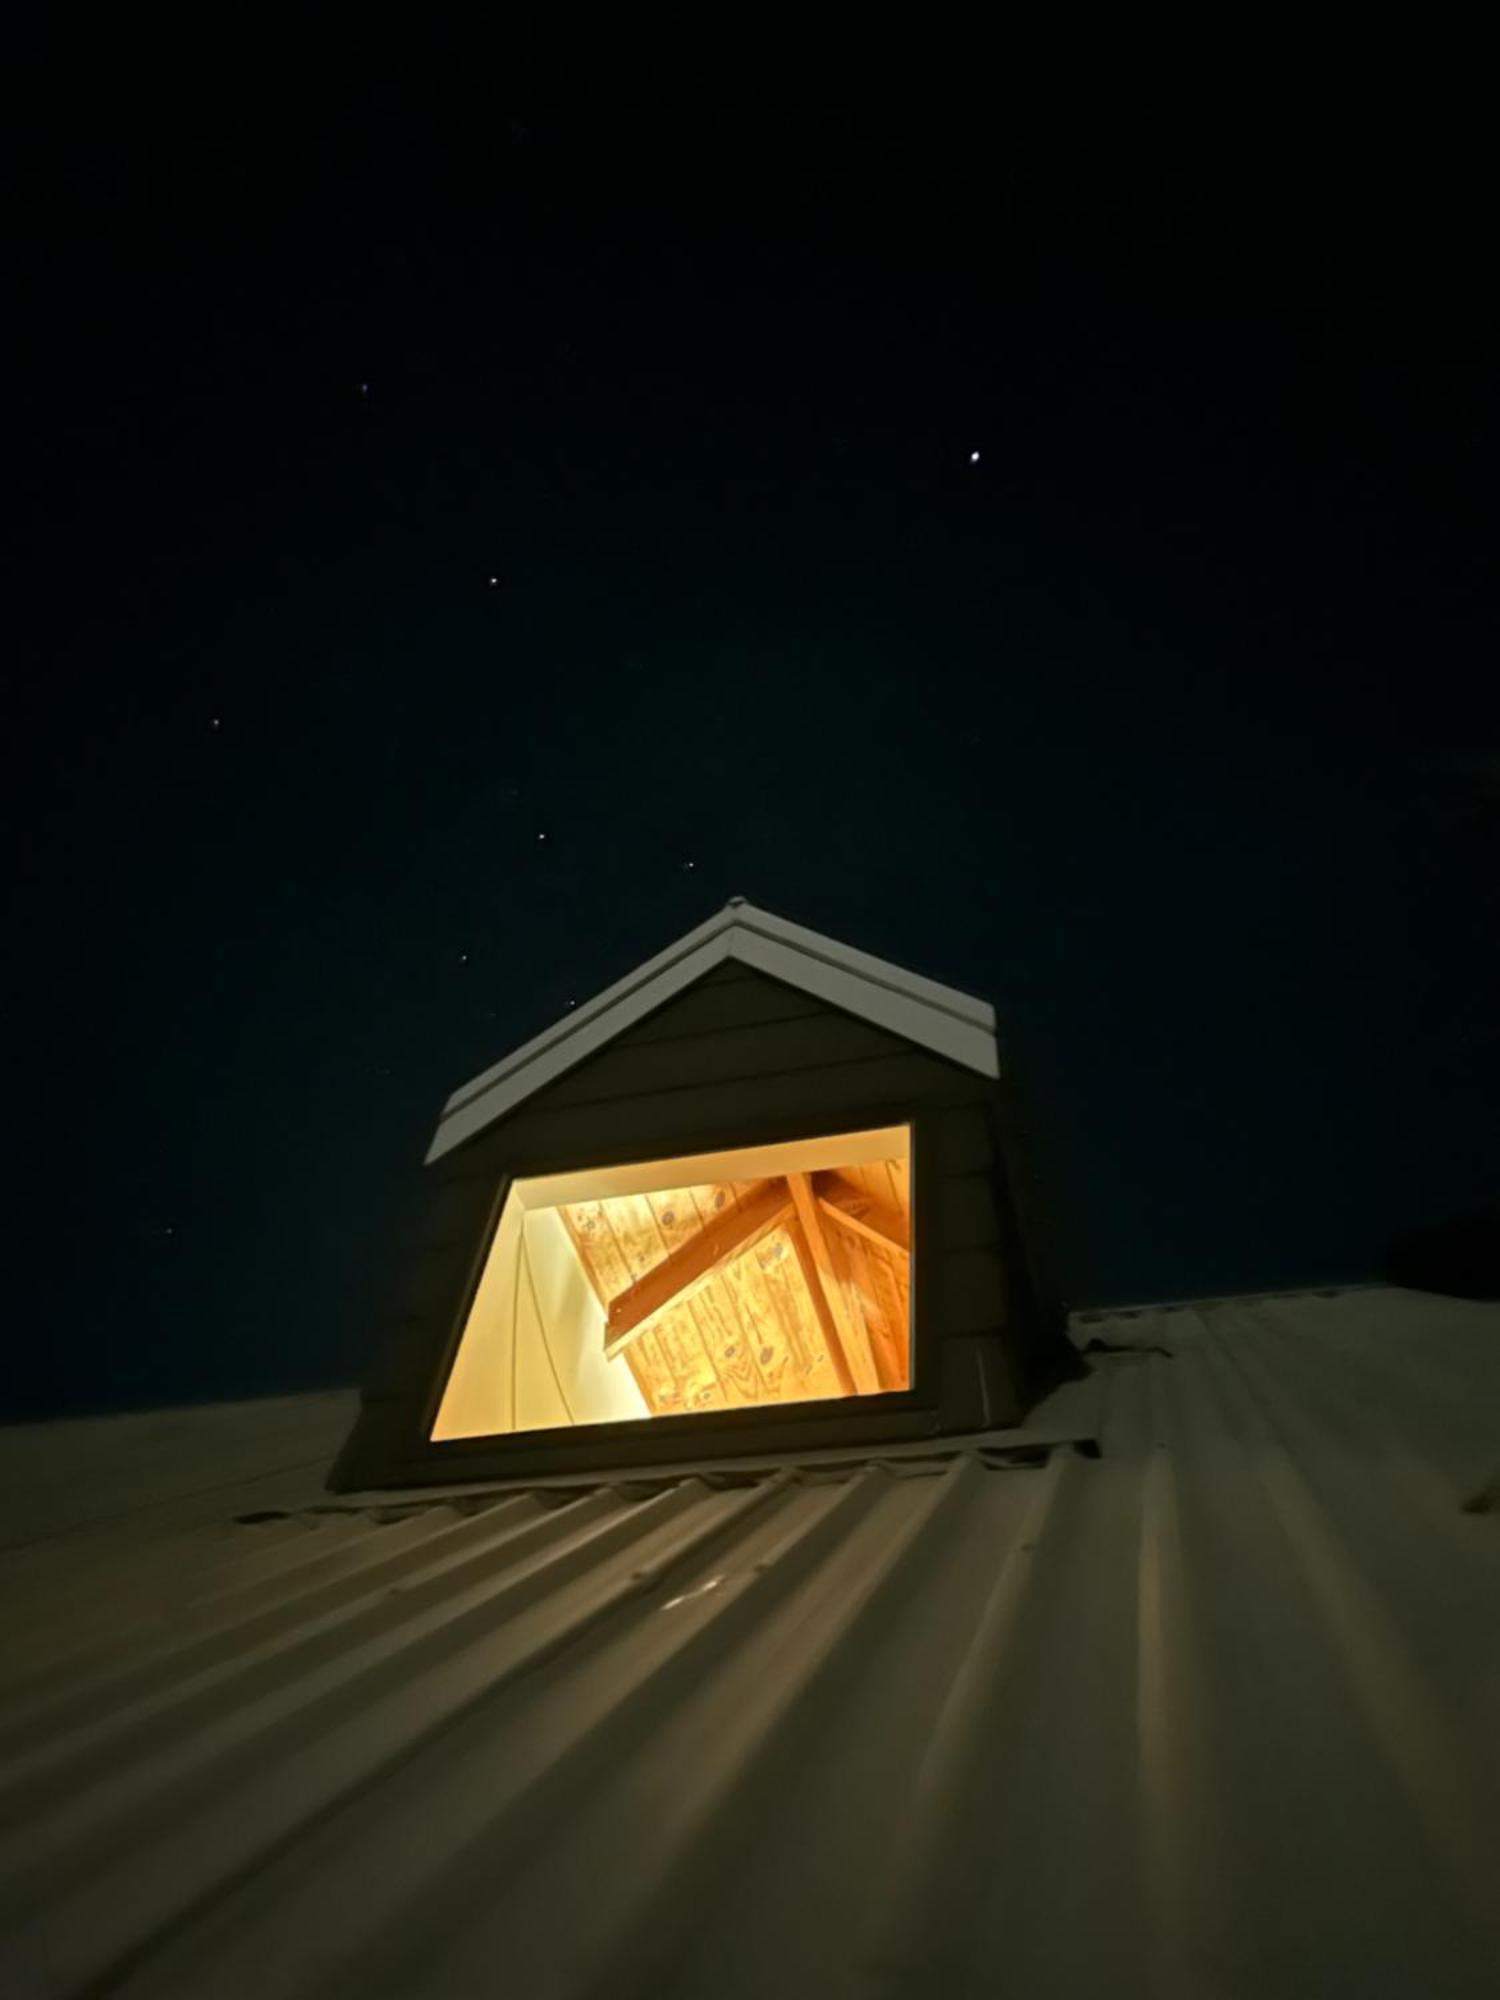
(760, 1195)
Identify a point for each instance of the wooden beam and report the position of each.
(813, 1285)
(854, 1198)
(881, 1225)
(854, 1338)
(695, 1264)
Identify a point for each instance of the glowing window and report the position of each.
(767, 1275)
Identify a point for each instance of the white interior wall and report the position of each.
(477, 1400)
(532, 1353)
(580, 1385)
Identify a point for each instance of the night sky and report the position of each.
(481, 509)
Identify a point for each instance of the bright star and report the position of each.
(973, 458)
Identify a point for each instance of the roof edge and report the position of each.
(1334, 1288)
(951, 1024)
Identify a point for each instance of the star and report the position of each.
(463, 958)
(541, 836)
(494, 581)
(364, 388)
(213, 722)
(973, 458)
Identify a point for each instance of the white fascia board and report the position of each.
(579, 1018)
(914, 1020)
(921, 1011)
(555, 1055)
(878, 971)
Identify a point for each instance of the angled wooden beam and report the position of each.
(688, 1269)
(854, 1338)
(883, 1226)
(889, 1221)
(833, 1340)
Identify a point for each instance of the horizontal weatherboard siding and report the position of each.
(738, 1059)
(764, 1048)
(734, 997)
(920, 1012)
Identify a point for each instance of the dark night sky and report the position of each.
(1169, 725)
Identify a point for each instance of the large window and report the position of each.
(770, 1274)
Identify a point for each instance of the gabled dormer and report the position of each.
(760, 1194)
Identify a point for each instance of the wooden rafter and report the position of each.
(853, 1335)
(686, 1270)
(735, 1305)
(813, 1285)
(883, 1226)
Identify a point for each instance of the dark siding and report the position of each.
(967, 1291)
(754, 1051)
(792, 1104)
(963, 1143)
(719, 1003)
(968, 1216)
(737, 1059)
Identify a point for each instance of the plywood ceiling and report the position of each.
(785, 1290)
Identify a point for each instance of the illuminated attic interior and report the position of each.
(766, 1275)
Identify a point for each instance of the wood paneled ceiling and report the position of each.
(784, 1290)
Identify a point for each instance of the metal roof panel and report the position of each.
(1217, 1711)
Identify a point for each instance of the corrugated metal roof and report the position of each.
(1216, 1712)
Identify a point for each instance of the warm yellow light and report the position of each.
(762, 1275)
